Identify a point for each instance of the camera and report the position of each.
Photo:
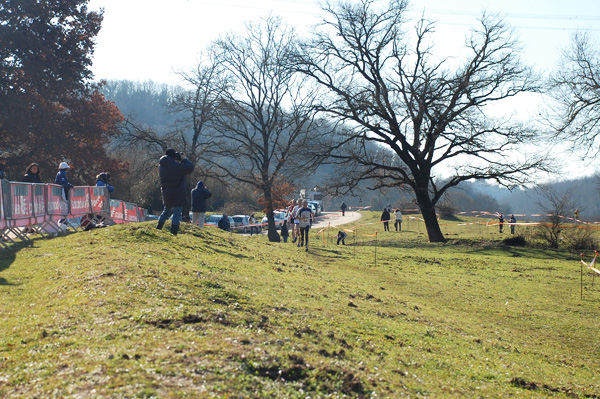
(179, 156)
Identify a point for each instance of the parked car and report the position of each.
(241, 223)
(279, 218)
(316, 207)
(213, 220)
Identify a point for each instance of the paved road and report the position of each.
(336, 219)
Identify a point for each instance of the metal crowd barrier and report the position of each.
(42, 208)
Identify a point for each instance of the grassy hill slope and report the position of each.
(130, 311)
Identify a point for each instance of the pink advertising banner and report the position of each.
(80, 201)
(116, 211)
(21, 201)
(130, 213)
(100, 199)
(56, 203)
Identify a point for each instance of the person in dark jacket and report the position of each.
(385, 218)
(103, 180)
(32, 174)
(224, 223)
(199, 196)
(341, 237)
(61, 179)
(343, 208)
(284, 231)
(172, 169)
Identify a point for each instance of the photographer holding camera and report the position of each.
(172, 169)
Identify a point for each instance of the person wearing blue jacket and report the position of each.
(61, 179)
(199, 196)
(172, 169)
(103, 180)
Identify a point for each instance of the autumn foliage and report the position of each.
(49, 109)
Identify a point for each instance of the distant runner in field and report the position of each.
(304, 217)
(501, 221)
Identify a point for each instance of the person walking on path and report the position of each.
(385, 218)
(304, 217)
(172, 169)
(199, 196)
(32, 174)
(343, 208)
(513, 220)
(398, 222)
(501, 221)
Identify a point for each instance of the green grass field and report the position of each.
(132, 312)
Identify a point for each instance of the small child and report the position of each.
(341, 237)
(284, 231)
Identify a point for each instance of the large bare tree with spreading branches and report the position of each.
(265, 132)
(425, 114)
(576, 89)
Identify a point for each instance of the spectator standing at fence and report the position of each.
(224, 222)
(385, 218)
(341, 236)
(343, 207)
(253, 227)
(501, 222)
(513, 220)
(62, 180)
(398, 221)
(199, 196)
(32, 174)
(103, 180)
(172, 169)
(304, 216)
(284, 231)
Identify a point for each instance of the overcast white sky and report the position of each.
(152, 39)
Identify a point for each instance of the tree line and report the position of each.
(366, 94)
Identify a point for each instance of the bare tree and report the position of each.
(576, 89)
(265, 125)
(429, 115)
(188, 134)
(555, 206)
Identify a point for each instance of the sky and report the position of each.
(154, 39)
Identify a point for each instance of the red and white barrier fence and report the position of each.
(41, 208)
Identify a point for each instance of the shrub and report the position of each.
(580, 239)
(515, 241)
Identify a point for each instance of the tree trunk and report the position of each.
(434, 232)
(272, 233)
